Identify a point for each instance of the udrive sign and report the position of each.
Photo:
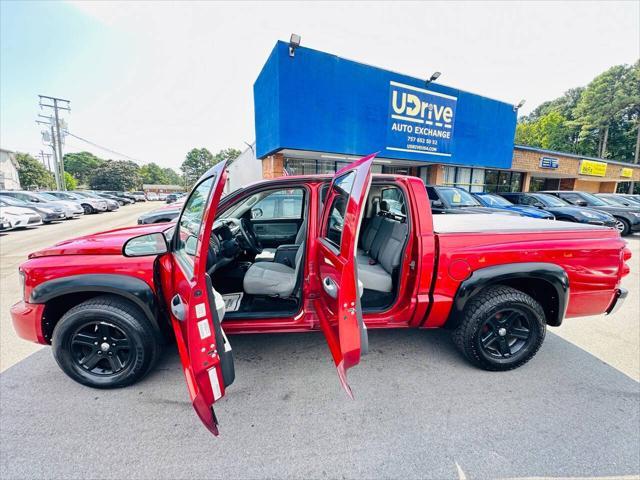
(420, 121)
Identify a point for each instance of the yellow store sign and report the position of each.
(593, 168)
(626, 172)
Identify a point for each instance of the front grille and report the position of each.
(33, 220)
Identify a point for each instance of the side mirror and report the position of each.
(145, 245)
(436, 203)
(256, 213)
(580, 203)
(538, 205)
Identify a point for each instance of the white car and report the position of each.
(4, 224)
(72, 208)
(152, 197)
(20, 217)
(88, 204)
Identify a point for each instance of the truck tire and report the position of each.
(501, 329)
(106, 342)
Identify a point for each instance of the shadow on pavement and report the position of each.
(419, 410)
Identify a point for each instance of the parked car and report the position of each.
(89, 204)
(172, 197)
(627, 219)
(71, 210)
(560, 209)
(122, 201)
(20, 217)
(112, 205)
(162, 196)
(342, 259)
(166, 213)
(126, 195)
(494, 200)
(633, 197)
(139, 196)
(620, 200)
(49, 213)
(4, 224)
(457, 200)
(152, 196)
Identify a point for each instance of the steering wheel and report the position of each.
(243, 229)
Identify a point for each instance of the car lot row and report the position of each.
(620, 211)
(23, 209)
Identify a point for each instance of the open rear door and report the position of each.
(338, 302)
(204, 350)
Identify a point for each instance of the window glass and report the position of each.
(279, 204)
(495, 201)
(549, 200)
(593, 200)
(571, 197)
(335, 221)
(191, 222)
(477, 180)
(456, 197)
(449, 175)
(395, 200)
(326, 166)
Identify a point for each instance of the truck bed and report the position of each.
(474, 223)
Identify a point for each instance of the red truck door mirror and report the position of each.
(145, 245)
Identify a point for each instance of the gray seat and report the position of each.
(273, 279)
(380, 257)
(268, 254)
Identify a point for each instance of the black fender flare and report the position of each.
(131, 288)
(551, 273)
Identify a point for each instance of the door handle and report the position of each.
(178, 308)
(330, 287)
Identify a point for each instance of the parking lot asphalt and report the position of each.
(420, 410)
(15, 245)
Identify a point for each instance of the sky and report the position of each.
(151, 80)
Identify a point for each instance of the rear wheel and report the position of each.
(622, 226)
(105, 342)
(501, 329)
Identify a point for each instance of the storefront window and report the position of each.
(539, 183)
(449, 176)
(499, 181)
(477, 180)
(298, 166)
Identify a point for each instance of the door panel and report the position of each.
(205, 353)
(274, 232)
(338, 299)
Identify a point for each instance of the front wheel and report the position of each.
(501, 329)
(623, 226)
(105, 342)
(88, 209)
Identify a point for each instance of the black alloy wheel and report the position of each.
(505, 333)
(622, 226)
(88, 209)
(101, 348)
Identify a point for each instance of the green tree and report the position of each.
(116, 175)
(549, 131)
(198, 161)
(82, 165)
(70, 182)
(32, 174)
(172, 177)
(153, 173)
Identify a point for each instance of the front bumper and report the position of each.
(618, 300)
(27, 321)
(5, 226)
(51, 217)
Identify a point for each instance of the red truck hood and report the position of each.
(103, 243)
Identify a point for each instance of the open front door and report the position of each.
(204, 350)
(338, 303)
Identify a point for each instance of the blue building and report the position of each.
(315, 112)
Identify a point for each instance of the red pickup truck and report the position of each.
(296, 254)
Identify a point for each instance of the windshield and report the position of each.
(495, 201)
(13, 201)
(593, 200)
(613, 201)
(550, 200)
(48, 197)
(456, 197)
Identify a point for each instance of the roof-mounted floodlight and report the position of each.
(433, 78)
(294, 42)
(519, 105)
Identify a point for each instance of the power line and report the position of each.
(104, 148)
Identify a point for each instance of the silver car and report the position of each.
(40, 199)
(89, 205)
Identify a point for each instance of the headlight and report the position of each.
(588, 214)
(636, 214)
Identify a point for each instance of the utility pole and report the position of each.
(52, 143)
(57, 104)
(46, 159)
